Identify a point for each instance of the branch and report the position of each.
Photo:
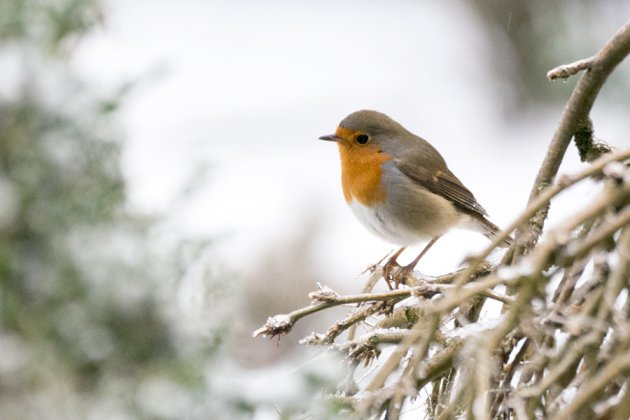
(325, 298)
(576, 111)
(541, 201)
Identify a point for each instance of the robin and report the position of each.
(400, 188)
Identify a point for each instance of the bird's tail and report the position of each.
(491, 231)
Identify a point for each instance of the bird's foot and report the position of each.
(390, 269)
(395, 274)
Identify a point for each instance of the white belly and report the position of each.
(378, 221)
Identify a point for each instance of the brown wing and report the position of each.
(444, 184)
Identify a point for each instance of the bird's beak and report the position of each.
(330, 137)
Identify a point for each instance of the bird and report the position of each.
(401, 189)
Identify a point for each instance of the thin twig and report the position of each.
(567, 70)
(579, 250)
(360, 314)
(619, 366)
(420, 329)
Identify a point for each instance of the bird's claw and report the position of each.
(390, 269)
(396, 274)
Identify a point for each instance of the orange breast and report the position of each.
(361, 174)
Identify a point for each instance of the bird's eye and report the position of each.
(362, 138)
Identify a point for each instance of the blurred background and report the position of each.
(163, 191)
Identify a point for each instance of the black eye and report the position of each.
(362, 138)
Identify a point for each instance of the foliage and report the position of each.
(84, 331)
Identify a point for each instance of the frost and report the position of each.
(279, 320)
(411, 301)
(613, 401)
(275, 325)
(621, 301)
(314, 339)
(515, 350)
(523, 269)
(381, 331)
(616, 170)
(472, 329)
(323, 294)
(568, 394)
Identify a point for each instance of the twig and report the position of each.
(365, 349)
(567, 70)
(326, 298)
(405, 386)
(338, 327)
(618, 366)
(420, 329)
(572, 274)
(445, 409)
(283, 323)
(426, 290)
(579, 250)
(377, 274)
(506, 381)
(435, 366)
